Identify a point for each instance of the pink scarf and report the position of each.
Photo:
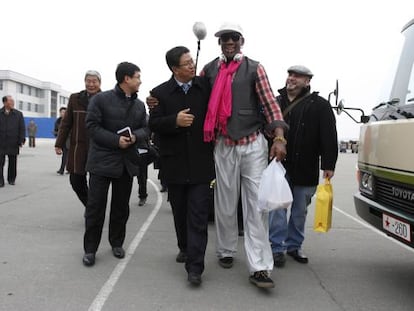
(219, 106)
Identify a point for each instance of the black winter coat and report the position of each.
(312, 138)
(185, 157)
(109, 112)
(12, 131)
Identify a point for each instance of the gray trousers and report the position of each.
(239, 168)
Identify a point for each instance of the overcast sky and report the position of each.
(357, 42)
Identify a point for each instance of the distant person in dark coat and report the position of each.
(73, 126)
(112, 159)
(12, 137)
(61, 170)
(31, 133)
(186, 160)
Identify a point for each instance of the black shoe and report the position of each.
(88, 259)
(59, 172)
(12, 182)
(279, 259)
(194, 278)
(226, 262)
(1, 183)
(164, 189)
(142, 202)
(181, 257)
(298, 255)
(118, 252)
(241, 232)
(261, 279)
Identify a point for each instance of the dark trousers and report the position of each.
(96, 207)
(190, 205)
(12, 167)
(142, 181)
(32, 141)
(80, 186)
(64, 160)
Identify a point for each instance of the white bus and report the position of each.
(386, 155)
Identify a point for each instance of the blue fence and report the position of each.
(45, 126)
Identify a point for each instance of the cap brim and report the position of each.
(300, 73)
(223, 31)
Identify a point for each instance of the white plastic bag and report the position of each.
(274, 191)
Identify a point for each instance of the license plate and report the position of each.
(396, 227)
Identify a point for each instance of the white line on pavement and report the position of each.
(109, 285)
(373, 229)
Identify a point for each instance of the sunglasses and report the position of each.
(234, 36)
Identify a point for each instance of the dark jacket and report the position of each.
(185, 157)
(109, 112)
(12, 131)
(311, 138)
(73, 126)
(56, 126)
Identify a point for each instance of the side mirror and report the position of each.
(340, 107)
(364, 119)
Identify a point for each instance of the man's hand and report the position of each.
(125, 142)
(184, 118)
(151, 102)
(58, 150)
(328, 174)
(278, 150)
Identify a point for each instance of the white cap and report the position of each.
(229, 27)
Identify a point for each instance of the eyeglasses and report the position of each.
(189, 63)
(234, 36)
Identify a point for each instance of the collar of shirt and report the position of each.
(190, 83)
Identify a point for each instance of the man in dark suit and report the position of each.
(186, 160)
(12, 137)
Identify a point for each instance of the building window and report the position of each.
(1, 84)
(26, 89)
(29, 106)
(20, 105)
(53, 103)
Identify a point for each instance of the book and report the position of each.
(126, 131)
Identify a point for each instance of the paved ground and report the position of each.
(41, 231)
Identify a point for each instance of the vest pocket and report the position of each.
(246, 112)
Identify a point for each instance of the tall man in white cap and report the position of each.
(73, 126)
(241, 105)
(311, 139)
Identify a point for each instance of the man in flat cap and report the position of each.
(241, 105)
(311, 139)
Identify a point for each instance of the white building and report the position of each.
(33, 97)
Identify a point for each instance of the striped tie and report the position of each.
(185, 87)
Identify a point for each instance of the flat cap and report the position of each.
(229, 27)
(302, 70)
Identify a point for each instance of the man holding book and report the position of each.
(117, 126)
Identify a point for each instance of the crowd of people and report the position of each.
(219, 128)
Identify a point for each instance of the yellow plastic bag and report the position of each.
(323, 210)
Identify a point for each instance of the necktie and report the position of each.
(185, 87)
